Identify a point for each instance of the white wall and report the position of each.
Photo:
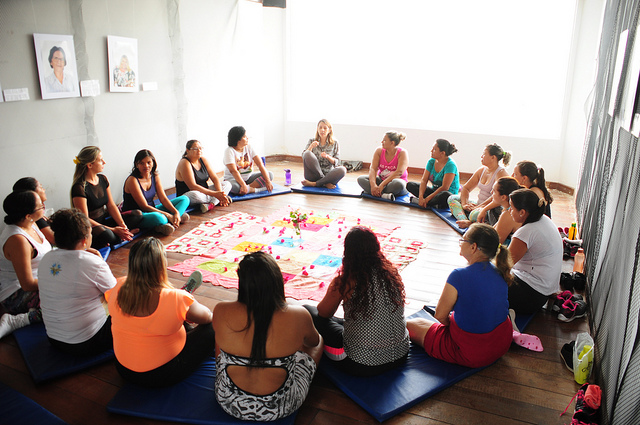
(559, 158)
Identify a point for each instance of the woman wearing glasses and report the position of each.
(23, 246)
(58, 80)
(193, 176)
(474, 328)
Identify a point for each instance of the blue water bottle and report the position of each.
(287, 177)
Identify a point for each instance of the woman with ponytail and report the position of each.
(536, 251)
(531, 177)
(90, 193)
(466, 211)
(475, 329)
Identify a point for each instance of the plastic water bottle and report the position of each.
(573, 231)
(578, 261)
(287, 177)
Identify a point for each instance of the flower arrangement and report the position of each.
(297, 218)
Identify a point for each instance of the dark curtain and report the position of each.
(608, 207)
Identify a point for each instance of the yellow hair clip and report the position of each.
(76, 160)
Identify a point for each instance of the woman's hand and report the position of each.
(376, 190)
(224, 199)
(269, 185)
(424, 201)
(244, 189)
(94, 251)
(314, 145)
(122, 232)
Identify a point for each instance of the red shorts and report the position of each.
(453, 345)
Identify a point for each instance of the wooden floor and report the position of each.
(522, 387)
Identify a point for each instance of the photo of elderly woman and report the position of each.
(56, 60)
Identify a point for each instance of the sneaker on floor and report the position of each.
(193, 283)
(165, 229)
(562, 297)
(572, 310)
(184, 218)
(566, 352)
(389, 196)
(206, 207)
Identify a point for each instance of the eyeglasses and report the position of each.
(38, 209)
(462, 240)
(196, 149)
(57, 59)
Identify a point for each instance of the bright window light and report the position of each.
(494, 67)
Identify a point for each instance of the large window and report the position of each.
(487, 67)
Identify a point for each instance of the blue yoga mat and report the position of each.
(18, 409)
(343, 188)
(448, 218)
(277, 190)
(44, 361)
(191, 401)
(392, 392)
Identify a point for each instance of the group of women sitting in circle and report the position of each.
(267, 350)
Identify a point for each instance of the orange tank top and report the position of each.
(142, 344)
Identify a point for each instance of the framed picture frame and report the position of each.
(123, 64)
(57, 67)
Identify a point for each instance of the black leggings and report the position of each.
(523, 298)
(331, 331)
(99, 343)
(438, 201)
(199, 346)
(103, 236)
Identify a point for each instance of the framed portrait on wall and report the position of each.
(57, 69)
(123, 64)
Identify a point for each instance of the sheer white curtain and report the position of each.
(491, 67)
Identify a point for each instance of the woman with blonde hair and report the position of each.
(91, 194)
(321, 159)
(150, 341)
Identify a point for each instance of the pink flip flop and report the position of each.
(530, 342)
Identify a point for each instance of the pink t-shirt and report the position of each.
(385, 168)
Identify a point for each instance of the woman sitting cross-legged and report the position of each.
(267, 350)
(148, 315)
(140, 189)
(442, 172)
(91, 194)
(373, 337)
(239, 158)
(73, 279)
(536, 249)
(388, 171)
(467, 212)
(321, 159)
(473, 310)
(193, 177)
(22, 246)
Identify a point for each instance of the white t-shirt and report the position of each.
(71, 283)
(243, 161)
(541, 265)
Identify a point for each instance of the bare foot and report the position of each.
(463, 224)
(330, 186)
(308, 183)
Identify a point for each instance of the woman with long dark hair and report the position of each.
(142, 187)
(474, 327)
(267, 351)
(31, 184)
(530, 176)
(372, 338)
(536, 250)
